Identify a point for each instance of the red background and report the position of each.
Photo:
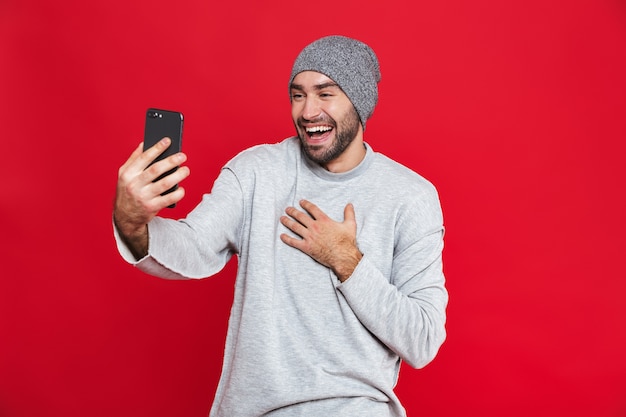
(515, 110)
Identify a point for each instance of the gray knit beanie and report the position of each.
(350, 63)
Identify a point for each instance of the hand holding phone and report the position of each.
(160, 124)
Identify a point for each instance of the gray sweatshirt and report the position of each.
(300, 342)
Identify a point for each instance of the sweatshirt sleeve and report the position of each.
(406, 312)
(199, 245)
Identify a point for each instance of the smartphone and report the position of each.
(160, 124)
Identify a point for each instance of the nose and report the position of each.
(311, 109)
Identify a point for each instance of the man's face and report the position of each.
(323, 115)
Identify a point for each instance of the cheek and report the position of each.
(295, 112)
(338, 111)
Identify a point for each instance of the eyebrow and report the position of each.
(317, 87)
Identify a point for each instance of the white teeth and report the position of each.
(314, 129)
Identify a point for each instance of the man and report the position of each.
(339, 251)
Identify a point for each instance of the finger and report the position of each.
(292, 241)
(151, 153)
(312, 209)
(293, 225)
(302, 218)
(170, 198)
(167, 182)
(156, 170)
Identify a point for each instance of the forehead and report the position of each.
(312, 79)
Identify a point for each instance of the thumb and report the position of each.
(348, 213)
(138, 151)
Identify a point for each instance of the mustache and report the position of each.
(301, 122)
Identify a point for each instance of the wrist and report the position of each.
(135, 237)
(348, 265)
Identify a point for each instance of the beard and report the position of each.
(345, 132)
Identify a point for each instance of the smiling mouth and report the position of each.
(317, 132)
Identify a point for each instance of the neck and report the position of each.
(350, 157)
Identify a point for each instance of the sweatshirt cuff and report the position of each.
(147, 264)
(363, 279)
